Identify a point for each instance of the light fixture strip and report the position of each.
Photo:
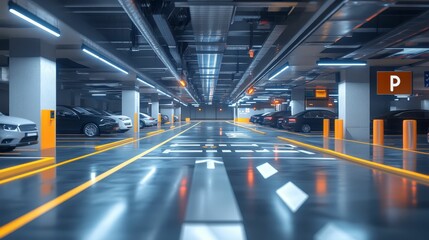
(33, 19)
(277, 89)
(145, 83)
(278, 73)
(88, 51)
(340, 62)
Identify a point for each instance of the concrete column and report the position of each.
(178, 113)
(297, 102)
(32, 86)
(354, 103)
(131, 107)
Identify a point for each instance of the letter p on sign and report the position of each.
(394, 83)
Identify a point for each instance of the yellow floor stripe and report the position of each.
(25, 167)
(30, 216)
(384, 146)
(251, 129)
(155, 132)
(107, 145)
(418, 177)
(24, 175)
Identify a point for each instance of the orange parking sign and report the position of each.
(394, 83)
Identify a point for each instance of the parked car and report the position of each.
(16, 132)
(80, 120)
(253, 118)
(176, 119)
(124, 122)
(271, 119)
(261, 118)
(309, 120)
(147, 121)
(393, 120)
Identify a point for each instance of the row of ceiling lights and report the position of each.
(40, 23)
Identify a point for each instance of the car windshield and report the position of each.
(145, 115)
(265, 114)
(82, 111)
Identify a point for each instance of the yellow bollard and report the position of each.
(326, 127)
(339, 129)
(378, 132)
(409, 134)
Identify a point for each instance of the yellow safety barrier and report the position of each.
(409, 134)
(26, 167)
(339, 129)
(378, 132)
(107, 145)
(155, 132)
(242, 120)
(187, 119)
(326, 128)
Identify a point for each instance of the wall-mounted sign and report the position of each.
(321, 93)
(394, 83)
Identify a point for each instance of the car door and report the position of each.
(67, 121)
(308, 118)
(317, 120)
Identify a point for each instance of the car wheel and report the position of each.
(142, 125)
(7, 149)
(305, 128)
(90, 130)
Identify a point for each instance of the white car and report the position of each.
(125, 123)
(16, 132)
(147, 121)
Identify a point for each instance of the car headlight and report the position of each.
(9, 127)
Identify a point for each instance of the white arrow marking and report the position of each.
(306, 152)
(262, 151)
(210, 163)
(244, 145)
(209, 145)
(266, 170)
(292, 195)
(186, 151)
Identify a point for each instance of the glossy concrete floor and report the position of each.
(213, 180)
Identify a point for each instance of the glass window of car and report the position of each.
(82, 111)
(310, 114)
(93, 111)
(318, 114)
(328, 114)
(62, 111)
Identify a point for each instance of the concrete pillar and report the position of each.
(131, 107)
(32, 86)
(354, 103)
(178, 113)
(297, 102)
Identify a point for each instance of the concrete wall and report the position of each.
(208, 112)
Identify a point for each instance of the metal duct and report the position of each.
(210, 25)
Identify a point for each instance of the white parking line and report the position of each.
(285, 151)
(244, 145)
(301, 158)
(211, 151)
(243, 151)
(292, 196)
(262, 151)
(184, 145)
(182, 151)
(222, 145)
(306, 152)
(266, 170)
(210, 145)
(226, 151)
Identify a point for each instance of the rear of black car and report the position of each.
(272, 118)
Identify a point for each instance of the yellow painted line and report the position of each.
(172, 127)
(107, 145)
(289, 132)
(418, 177)
(8, 154)
(80, 141)
(155, 132)
(384, 146)
(25, 167)
(27, 174)
(251, 129)
(39, 211)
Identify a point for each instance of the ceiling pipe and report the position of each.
(136, 15)
(326, 10)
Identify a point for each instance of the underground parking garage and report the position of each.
(175, 119)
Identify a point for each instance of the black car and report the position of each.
(309, 120)
(253, 118)
(80, 120)
(164, 119)
(261, 118)
(271, 119)
(393, 120)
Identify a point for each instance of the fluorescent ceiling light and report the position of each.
(341, 62)
(98, 94)
(261, 99)
(145, 83)
(163, 93)
(85, 49)
(250, 102)
(184, 104)
(176, 100)
(277, 89)
(282, 70)
(186, 89)
(33, 19)
(409, 51)
(343, 46)
(245, 104)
